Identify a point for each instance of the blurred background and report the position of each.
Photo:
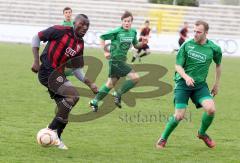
(21, 19)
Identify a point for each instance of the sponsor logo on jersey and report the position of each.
(70, 52)
(191, 47)
(197, 56)
(126, 39)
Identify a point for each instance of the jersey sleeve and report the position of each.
(181, 56)
(110, 35)
(51, 33)
(217, 57)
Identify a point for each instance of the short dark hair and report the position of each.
(81, 16)
(126, 14)
(147, 21)
(205, 24)
(67, 8)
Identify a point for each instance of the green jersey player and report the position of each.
(121, 40)
(67, 12)
(192, 65)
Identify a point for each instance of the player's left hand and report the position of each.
(35, 67)
(94, 88)
(214, 90)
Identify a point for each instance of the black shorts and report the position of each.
(145, 47)
(51, 79)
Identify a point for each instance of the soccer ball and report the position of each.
(46, 137)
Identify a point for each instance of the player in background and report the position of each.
(192, 65)
(144, 34)
(121, 40)
(183, 33)
(64, 44)
(67, 13)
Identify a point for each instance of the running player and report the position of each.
(192, 64)
(145, 34)
(121, 40)
(64, 44)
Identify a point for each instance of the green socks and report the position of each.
(170, 126)
(104, 90)
(127, 85)
(206, 122)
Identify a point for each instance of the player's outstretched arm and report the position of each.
(35, 50)
(215, 88)
(80, 75)
(105, 48)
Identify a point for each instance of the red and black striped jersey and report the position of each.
(145, 31)
(62, 46)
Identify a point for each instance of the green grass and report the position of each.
(119, 136)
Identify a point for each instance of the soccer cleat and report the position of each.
(117, 100)
(207, 140)
(59, 144)
(161, 143)
(94, 106)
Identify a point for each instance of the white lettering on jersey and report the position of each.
(70, 52)
(197, 56)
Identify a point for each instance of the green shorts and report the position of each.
(198, 93)
(118, 69)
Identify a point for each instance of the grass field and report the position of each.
(122, 135)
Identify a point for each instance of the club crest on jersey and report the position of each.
(60, 79)
(70, 52)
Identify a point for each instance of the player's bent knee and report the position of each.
(179, 117)
(210, 108)
(136, 79)
(110, 85)
(211, 111)
(72, 100)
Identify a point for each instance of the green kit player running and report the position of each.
(121, 40)
(192, 65)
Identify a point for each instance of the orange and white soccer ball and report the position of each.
(47, 137)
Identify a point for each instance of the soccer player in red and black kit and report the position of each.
(144, 34)
(64, 49)
(183, 34)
